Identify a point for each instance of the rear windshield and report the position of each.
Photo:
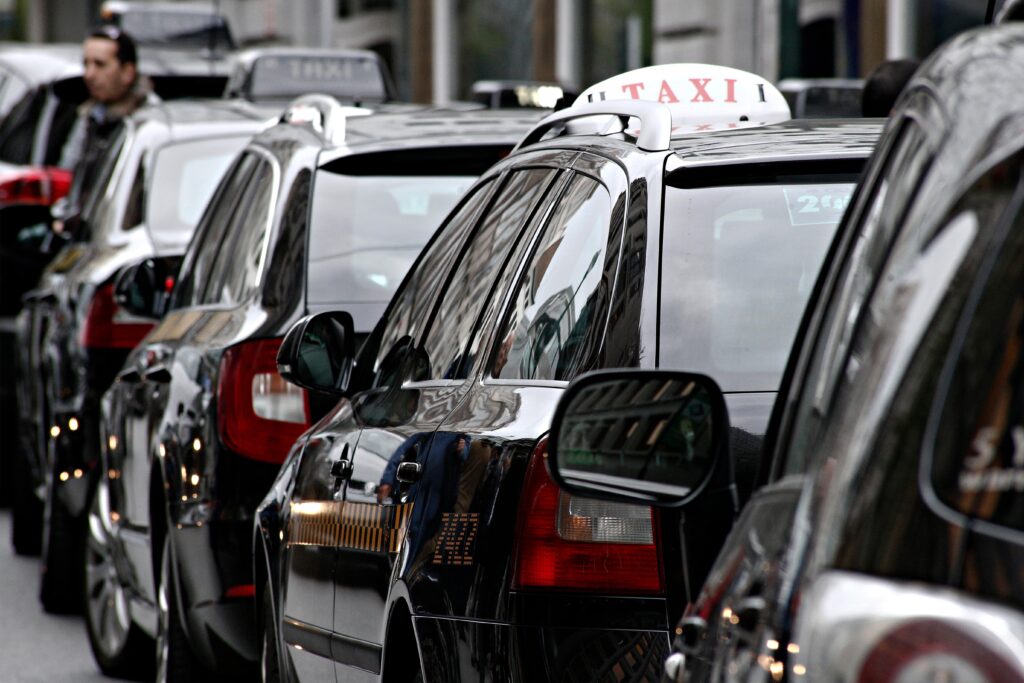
(738, 265)
(287, 76)
(365, 231)
(184, 177)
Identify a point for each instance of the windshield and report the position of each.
(186, 174)
(293, 75)
(366, 231)
(738, 265)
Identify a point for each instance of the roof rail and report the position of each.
(323, 113)
(655, 121)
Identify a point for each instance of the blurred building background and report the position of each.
(438, 48)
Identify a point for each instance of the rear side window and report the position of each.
(977, 465)
(556, 323)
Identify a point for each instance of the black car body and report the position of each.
(885, 543)
(73, 337)
(418, 516)
(279, 74)
(823, 98)
(328, 208)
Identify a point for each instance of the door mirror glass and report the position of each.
(318, 352)
(637, 436)
(143, 289)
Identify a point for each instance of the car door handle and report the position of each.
(409, 472)
(158, 373)
(749, 612)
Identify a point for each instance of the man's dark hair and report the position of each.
(126, 52)
(884, 85)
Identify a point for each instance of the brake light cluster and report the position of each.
(40, 186)
(568, 542)
(107, 326)
(259, 413)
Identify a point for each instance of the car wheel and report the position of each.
(60, 589)
(119, 646)
(175, 662)
(26, 511)
(270, 663)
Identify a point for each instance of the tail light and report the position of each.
(41, 186)
(107, 325)
(260, 414)
(568, 542)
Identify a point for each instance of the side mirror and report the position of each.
(144, 288)
(318, 352)
(638, 436)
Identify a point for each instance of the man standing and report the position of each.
(115, 91)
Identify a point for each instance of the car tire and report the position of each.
(175, 662)
(61, 581)
(119, 646)
(270, 661)
(26, 511)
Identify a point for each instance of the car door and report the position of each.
(403, 475)
(142, 386)
(322, 522)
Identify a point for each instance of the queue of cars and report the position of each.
(436, 395)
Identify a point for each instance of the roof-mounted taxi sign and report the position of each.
(323, 113)
(699, 96)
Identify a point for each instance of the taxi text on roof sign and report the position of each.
(699, 95)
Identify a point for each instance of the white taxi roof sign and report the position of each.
(698, 95)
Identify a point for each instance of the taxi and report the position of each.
(672, 217)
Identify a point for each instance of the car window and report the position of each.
(198, 260)
(725, 310)
(18, 128)
(872, 226)
(284, 273)
(477, 270)
(414, 302)
(976, 461)
(554, 327)
(367, 230)
(135, 207)
(239, 264)
(185, 175)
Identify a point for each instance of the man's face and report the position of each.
(107, 78)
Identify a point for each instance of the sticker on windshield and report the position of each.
(817, 205)
(979, 474)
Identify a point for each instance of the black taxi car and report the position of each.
(415, 530)
(326, 209)
(885, 542)
(162, 166)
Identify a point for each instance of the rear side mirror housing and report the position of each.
(318, 352)
(648, 437)
(144, 288)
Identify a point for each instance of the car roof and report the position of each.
(195, 118)
(795, 139)
(39, 63)
(418, 127)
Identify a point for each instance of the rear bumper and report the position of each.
(455, 650)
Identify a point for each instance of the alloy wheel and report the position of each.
(106, 600)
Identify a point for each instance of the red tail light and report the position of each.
(105, 325)
(41, 186)
(569, 542)
(260, 414)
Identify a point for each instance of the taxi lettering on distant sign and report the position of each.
(700, 96)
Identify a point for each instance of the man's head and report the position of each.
(109, 58)
(884, 85)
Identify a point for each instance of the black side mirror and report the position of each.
(143, 289)
(318, 352)
(638, 436)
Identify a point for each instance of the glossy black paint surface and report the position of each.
(356, 563)
(877, 429)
